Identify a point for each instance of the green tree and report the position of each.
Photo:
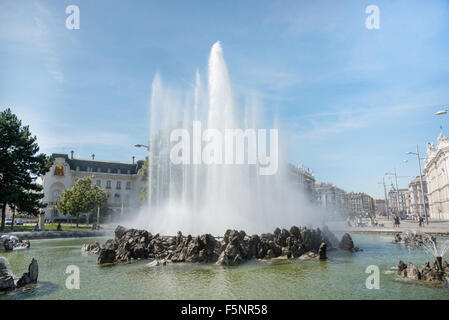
(81, 198)
(143, 197)
(20, 166)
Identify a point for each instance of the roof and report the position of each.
(83, 164)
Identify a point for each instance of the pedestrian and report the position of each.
(421, 220)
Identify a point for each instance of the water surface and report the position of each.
(341, 277)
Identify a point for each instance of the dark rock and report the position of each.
(331, 239)
(91, 248)
(8, 245)
(346, 243)
(119, 232)
(402, 269)
(30, 276)
(413, 272)
(235, 248)
(6, 279)
(397, 238)
(429, 272)
(295, 231)
(322, 251)
(106, 256)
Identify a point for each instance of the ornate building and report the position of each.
(414, 199)
(332, 198)
(361, 204)
(393, 200)
(122, 182)
(304, 178)
(436, 172)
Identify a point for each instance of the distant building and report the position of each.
(332, 198)
(380, 207)
(361, 204)
(414, 198)
(304, 178)
(437, 177)
(393, 200)
(122, 182)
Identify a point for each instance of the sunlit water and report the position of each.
(341, 277)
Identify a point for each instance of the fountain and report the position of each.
(438, 272)
(211, 198)
(436, 251)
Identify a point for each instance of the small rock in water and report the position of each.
(30, 276)
(346, 243)
(322, 251)
(6, 280)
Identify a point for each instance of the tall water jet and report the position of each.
(210, 198)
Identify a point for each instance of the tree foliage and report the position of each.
(20, 166)
(81, 198)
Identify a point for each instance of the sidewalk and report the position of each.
(434, 227)
(32, 235)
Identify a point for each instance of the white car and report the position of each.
(8, 221)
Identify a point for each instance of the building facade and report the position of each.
(414, 198)
(436, 166)
(304, 178)
(332, 199)
(380, 208)
(393, 200)
(122, 182)
(361, 204)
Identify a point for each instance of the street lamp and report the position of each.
(420, 179)
(397, 189)
(142, 146)
(386, 199)
(441, 112)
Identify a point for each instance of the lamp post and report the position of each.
(386, 199)
(397, 189)
(142, 146)
(441, 112)
(420, 180)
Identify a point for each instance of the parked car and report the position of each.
(8, 221)
(19, 222)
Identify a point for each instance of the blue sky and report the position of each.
(352, 100)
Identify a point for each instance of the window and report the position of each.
(129, 171)
(119, 185)
(108, 184)
(56, 196)
(89, 169)
(99, 183)
(109, 170)
(77, 168)
(98, 169)
(128, 185)
(119, 171)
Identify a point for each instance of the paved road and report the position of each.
(434, 227)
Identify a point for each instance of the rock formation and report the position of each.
(236, 246)
(429, 273)
(412, 239)
(346, 243)
(30, 276)
(9, 243)
(93, 248)
(7, 281)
